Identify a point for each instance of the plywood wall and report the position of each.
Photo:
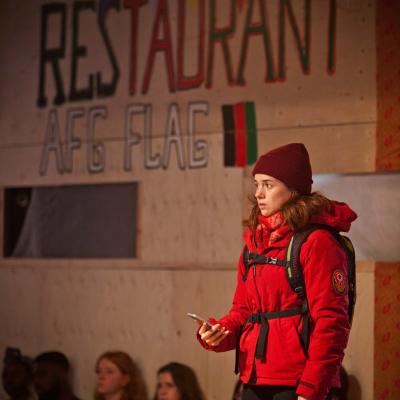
(386, 331)
(143, 312)
(388, 90)
(310, 72)
(161, 124)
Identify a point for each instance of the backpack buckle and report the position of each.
(299, 290)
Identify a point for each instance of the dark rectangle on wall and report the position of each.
(251, 133)
(240, 135)
(82, 221)
(229, 135)
(16, 202)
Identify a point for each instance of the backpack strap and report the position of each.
(294, 273)
(250, 259)
(351, 258)
(295, 278)
(294, 270)
(246, 262)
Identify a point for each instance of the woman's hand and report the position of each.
(213, 336)
(301, 398)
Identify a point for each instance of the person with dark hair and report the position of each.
(119, 378)
(177, 382)
(238, 390)
(17, 375)
(290, 334)
(51, 377)
(342, 392)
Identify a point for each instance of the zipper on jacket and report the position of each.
(257, 292)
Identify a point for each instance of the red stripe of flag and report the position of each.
(240, 135)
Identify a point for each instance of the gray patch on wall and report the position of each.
(376, 200)
(80, 221)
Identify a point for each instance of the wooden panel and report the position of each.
(1, 222)
(295, 94)
(185, 215)
(21, 309)
(85, 312)
(359, 356)
(188, 211)
(332, 149)
(387, 329)
(200, 221)
(388, 85)
(143, 312)
(375, 199)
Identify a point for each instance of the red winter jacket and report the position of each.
(268, 290)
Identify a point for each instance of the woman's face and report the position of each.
(271, 194)
(166, 388)
(110, 379)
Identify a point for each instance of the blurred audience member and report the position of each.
(350, 389)
(118, 378)
(238, 391)
(177, 382)
(51, 377)
(17, 375)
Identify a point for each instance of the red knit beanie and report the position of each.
(290, 164)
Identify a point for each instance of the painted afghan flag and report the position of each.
(240, 134)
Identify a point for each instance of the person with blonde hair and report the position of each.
(118, 378)
(290, 339)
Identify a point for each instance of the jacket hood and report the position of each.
(340, 217)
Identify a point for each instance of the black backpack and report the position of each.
(294, 272)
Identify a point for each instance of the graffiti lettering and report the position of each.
(51, 56)
(303, 48)
(54, 56)
(64, 158)
(134, 5)
(132, 138)
(52, 143)
(72, 142)
(197, 149)
(221, 36)
(260, 28)
(95, 150)
(138, 126)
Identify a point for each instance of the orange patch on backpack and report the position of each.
(339, 282)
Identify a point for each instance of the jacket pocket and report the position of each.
(285, 358)
(246, 346)
(294, 349)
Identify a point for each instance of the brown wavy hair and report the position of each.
(297, 211)
(185, 379)
(136, 387)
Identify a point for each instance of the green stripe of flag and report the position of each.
(251, 129)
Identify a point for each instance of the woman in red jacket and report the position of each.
(263, 324)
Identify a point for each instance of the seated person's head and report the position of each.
(238, 391)
(119, 377)
(177, 382)
(17, 374)
(51, 375)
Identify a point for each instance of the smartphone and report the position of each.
(198, 318)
